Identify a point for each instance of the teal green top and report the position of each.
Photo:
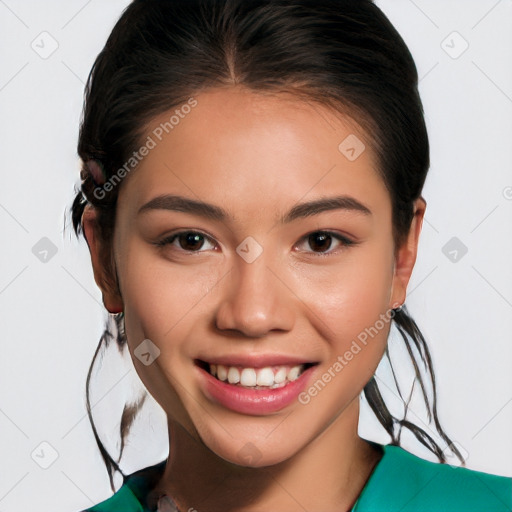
(400, 482)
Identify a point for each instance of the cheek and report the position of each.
(162, 299)
(161, 303)
(350, 308)
(351, 296)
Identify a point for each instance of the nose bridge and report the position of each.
(255, 301)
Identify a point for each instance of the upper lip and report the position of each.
(256, 360)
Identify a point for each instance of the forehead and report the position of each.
(250, 151)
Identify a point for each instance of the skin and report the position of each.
(258, 156)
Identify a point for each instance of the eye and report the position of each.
(322, 241)
(187, 241)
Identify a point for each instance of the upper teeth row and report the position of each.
(251, 377)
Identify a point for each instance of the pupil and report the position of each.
(322, 241)
(190, 241)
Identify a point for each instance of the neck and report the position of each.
(328, 474)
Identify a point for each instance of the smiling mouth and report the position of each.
(268, 377)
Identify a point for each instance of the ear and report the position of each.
(111, 296)
(405, 257)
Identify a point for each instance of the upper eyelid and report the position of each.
(329, 232)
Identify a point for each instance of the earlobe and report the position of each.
(406, 256)
(111, 297)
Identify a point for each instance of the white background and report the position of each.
(51, 315)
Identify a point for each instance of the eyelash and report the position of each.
(345, 242)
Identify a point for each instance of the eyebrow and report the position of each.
(213, 212)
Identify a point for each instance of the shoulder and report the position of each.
(132, 496)
(402, 481)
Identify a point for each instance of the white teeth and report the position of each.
(280, 376)
(267, 377)
(293, 374)
(233, 375)
(248, 377)
(222, 372)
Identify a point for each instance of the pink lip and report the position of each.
(256, 402)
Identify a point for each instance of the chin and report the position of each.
(251, 446)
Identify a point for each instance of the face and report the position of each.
(284, 281)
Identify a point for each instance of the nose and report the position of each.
(255, 300)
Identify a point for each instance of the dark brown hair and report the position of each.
(341, 53)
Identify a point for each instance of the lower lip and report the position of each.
(256, 402)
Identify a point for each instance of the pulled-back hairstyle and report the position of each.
(344, 54)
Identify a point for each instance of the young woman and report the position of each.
(251, 197)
